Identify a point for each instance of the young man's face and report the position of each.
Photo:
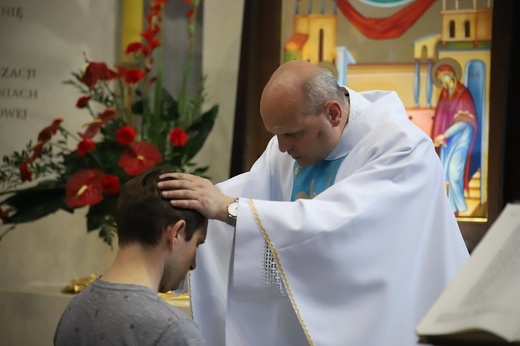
(182, 260)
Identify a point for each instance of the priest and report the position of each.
(340, 234)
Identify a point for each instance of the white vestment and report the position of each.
(360, 264)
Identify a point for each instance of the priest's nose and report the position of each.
(284, 144)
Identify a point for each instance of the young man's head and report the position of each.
(146, 219)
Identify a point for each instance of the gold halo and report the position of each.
(454, 64)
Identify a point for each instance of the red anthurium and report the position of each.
(93, 128)
(83, 101)
(97, 71)
(84, 188)
(110, 184)
(85, 146)
(138, 157)
(25, 173)
(177, 137)
(134, 47)
(125, 135)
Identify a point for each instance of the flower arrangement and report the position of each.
(134, 124)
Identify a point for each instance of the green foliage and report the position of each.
(69, 168)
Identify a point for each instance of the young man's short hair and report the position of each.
(143, 214)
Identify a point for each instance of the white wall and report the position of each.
(220, 61)
(50, 36)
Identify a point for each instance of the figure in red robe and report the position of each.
(454, 130)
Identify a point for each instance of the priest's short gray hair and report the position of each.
(320, 88)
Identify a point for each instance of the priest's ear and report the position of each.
(334, 112)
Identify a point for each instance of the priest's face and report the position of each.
(307, 138)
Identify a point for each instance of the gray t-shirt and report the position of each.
(107, 313)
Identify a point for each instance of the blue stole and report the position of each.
(312, 180)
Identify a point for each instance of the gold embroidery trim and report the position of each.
(190, 295)
(282, 273)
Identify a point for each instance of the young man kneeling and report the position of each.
(157, 244)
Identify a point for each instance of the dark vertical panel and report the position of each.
(259, 57)
(512, 128)
(499, 96)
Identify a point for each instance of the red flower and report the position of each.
(93, 128)
(125, 135)
(189, 14)
(25, 173)
(148, 35)
(153, 43)
(97, 71)
(83, 101)
(85, 146)
(84, 188)
(134, 47)
(46, 134)
(155, 9)
(138, 157)
(132, 75)
(177, 137)
(110, 184)
(37, 151)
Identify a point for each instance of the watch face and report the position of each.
(233, 208)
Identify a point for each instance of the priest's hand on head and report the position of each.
(194, 192)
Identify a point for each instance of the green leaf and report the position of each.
(108, 232)
(138, 107)
(170, 107)
(99, 214)
(199, 131)
(36, 202)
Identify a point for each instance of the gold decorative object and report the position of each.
(79, 284)
(168, 296)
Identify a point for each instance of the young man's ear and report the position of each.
(175, 232)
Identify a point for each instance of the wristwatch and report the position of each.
(232, 210)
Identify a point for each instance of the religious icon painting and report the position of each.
(435, 54)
